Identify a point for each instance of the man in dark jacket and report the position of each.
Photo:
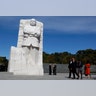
(70, 68)
(74, 63)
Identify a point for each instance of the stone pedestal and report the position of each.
(26, 58)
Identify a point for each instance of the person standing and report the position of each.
(87, 69)
(70, 68)
(79, 68)
(50, 69)
(54, 69)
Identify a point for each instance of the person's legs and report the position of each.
(89, 76)
(77, 73)
(73, 74)
(69, 73)
(81, 73)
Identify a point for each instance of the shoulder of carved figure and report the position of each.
(24, 22)
(39, 24)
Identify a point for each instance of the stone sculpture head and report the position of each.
(33, 22)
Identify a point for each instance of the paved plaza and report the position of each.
(59, 76)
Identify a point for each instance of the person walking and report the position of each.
(79, 68)
(70, 68)
(74, 63)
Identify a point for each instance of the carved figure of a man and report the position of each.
(31, 34)
(31, 42)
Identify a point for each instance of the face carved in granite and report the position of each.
(33, 22)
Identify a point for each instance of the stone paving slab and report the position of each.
(59, 76)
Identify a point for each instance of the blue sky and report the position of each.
(61, 33)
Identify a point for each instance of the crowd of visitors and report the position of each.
(75, 69)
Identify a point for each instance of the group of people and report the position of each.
(75, 68)
(52, 69)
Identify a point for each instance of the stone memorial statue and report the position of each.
(26, 58)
